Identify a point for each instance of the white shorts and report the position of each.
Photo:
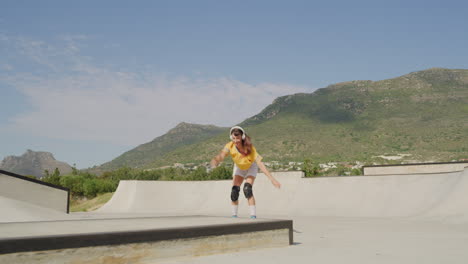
(252, 171)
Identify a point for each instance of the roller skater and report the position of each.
(246, 164)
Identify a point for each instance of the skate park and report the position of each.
(391, 214)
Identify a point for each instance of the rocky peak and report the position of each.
(34, 163)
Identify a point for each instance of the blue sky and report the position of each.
(89, 80)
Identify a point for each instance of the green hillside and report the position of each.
(423, 114)
(183, 134)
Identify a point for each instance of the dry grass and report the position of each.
(87, 205)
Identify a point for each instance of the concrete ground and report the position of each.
(316, 239)
(333, 240)
(414, 218)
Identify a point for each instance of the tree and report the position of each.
(309, 169)
(52, 178)
(74, 170)
(56, 172)
(199, 174)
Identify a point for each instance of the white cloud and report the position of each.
(87, 102)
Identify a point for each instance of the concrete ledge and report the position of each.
(153, 252)
(68, 241)
(414, 168)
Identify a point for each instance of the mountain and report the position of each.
(423, 115)
(181, 135)
(34, 163)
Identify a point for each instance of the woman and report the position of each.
(246, 164)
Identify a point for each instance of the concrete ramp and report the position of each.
(19, 211)
(418, 195)
(25, 199)
(415, 195)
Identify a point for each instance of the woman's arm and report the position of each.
(267, 173)
(218, 159)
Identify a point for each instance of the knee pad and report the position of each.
(248, 190)
(235, 193)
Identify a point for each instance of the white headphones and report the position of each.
(236, 127)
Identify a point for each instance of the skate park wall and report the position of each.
(414, 168)
(413, 195)
(23, 190)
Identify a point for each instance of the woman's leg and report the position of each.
(251, 180)
(236, 182)
(248, 190)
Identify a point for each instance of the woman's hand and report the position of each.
(218, 159)
(213, 164)
(276, 183)
(268, 174)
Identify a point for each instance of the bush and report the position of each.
(52, 180)
(74, 183)
(90, 188)
(89, 185)
(93, 187)
(310, 169)
(220, 173)
(356, 172)
(340, 170)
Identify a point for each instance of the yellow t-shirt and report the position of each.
(243, 162)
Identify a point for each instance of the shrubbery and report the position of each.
(81, 183)
(84, 184)
(89, 185)
(311, 169)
